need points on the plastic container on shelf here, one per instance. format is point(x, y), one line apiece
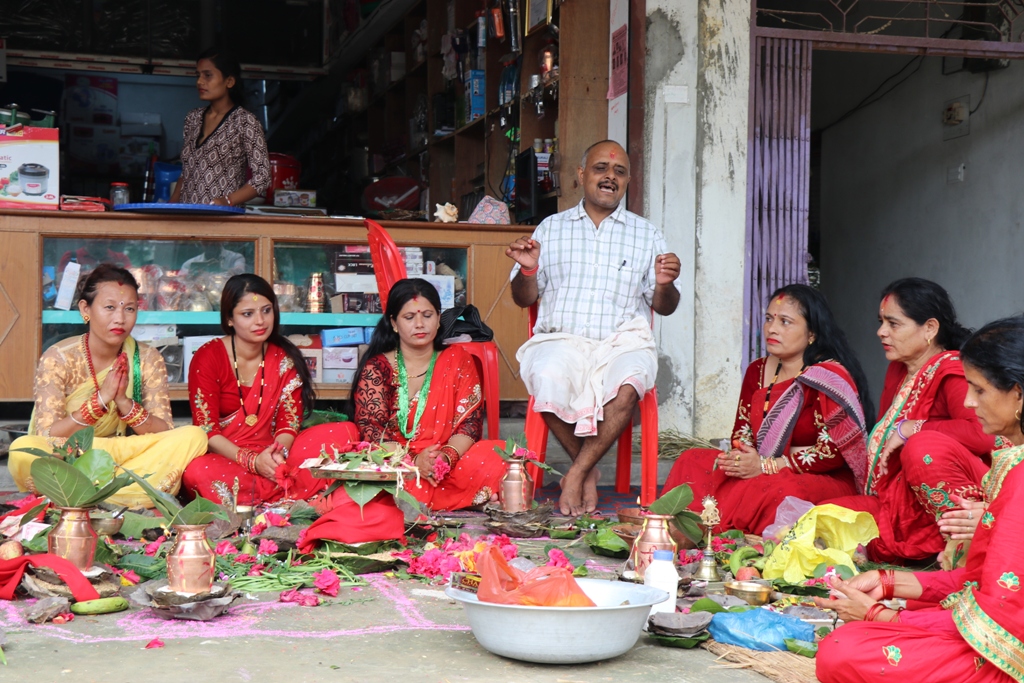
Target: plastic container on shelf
point(165, 176)
point(119, 193)
point(285, 171)
point(661, 574)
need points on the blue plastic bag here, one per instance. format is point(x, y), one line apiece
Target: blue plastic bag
point(758, 629)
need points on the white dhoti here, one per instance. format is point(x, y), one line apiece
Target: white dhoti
point(574, 377)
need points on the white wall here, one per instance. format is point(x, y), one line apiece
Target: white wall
point(695, 132)
point(887, 208)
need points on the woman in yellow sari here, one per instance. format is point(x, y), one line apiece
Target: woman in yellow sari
point(107, 380)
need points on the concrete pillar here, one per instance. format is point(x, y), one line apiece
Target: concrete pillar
point(695, 137)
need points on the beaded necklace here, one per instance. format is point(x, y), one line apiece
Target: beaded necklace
point(768, 396)
point(250, 419)
point(88, 360)
point(403, 395)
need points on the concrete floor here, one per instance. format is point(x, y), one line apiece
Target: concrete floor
point(391, 627)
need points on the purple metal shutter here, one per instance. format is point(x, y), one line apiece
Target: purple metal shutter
point(778, 177)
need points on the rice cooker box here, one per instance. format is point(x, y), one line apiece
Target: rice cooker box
point(30, 168)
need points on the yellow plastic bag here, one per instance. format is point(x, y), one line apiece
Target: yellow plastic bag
point(841, 530)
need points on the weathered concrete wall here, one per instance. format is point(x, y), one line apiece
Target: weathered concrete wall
point(889, 208)
point(695, 142)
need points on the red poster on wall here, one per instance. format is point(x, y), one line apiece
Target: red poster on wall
point(619, 82)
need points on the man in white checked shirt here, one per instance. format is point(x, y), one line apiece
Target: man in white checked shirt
point(597, 270)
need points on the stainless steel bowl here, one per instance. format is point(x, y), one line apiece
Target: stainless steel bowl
point(564, 635)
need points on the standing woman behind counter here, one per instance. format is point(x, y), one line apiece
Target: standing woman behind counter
point(222, 140)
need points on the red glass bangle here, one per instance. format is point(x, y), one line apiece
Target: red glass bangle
point(874, 611)
point(887, 577)
point(529, 272)
point(451, 453)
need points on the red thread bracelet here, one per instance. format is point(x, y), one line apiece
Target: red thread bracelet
point(529, 272)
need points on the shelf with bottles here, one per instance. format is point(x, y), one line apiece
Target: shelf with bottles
point(344, 283)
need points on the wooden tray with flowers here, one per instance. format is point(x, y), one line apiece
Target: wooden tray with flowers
point(365, 462)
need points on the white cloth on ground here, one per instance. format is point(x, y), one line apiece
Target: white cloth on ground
point(573, 377)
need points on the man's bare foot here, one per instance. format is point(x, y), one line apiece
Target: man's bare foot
point(571, 501)
point(590, 491)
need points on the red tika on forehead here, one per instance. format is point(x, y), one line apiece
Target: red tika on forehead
point(612, 154)
point(780, 299)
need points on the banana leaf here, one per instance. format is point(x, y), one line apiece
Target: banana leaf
point(674, 502)
point(97, 465)
point(61, 483)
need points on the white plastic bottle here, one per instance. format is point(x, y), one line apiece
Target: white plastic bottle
point(661, 574)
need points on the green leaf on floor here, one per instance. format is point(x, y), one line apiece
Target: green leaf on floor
point(801, 647)
point(135, 524)
point(685, 643)
point(605, 542)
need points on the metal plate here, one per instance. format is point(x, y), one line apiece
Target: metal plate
point(354, 475)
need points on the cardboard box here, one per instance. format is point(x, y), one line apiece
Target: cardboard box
point(30, 168)
point(341, 358)
point(303, 198)
point(445, 286)
point(369, 335)
point(314, 361)
point(342, 336)
point(353, 264)
point(189, 347)
point(156, 335)
point(354, 283)
point(90, 99)
point(473, 93)
point(94, 148)
point(338, 376)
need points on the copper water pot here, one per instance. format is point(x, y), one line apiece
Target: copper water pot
point(653, 536)
point(73, 538)
point(516, 491)
point(191, 561)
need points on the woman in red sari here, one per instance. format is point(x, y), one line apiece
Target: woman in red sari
point(927, 450)
point(413, 391)
point(964, 625)
point(250, 391)
point(799, 428)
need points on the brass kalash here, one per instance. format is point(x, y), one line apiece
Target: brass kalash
point(709, 516)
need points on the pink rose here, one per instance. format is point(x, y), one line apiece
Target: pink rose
point(257, 570)
point(520, 452)
point(301, 599)
point(267, 547)
point(327, 582)
point(274, 519)
point(154, 547)
point(225, 548)
point(557, 558)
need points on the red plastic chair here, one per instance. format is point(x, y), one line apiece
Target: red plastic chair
point(537, 441)
point(389, 268)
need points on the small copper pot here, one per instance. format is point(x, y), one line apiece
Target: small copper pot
point(73, 538)
point(191, 561)
point(654, 536)
point(516, 491)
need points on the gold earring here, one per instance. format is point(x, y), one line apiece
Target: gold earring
point(86, 318)
point(1017, 415)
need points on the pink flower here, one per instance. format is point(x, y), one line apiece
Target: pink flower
point(129, 578)
point(520, 452)
point(690, 556)
point(257, 529)
point(243, 557)
point(557, 558)
point(327, 582)
point(225, 548)
point(155, 643)
point(274, 519)
point(404, 556)
point(257, 570)
point(441, 469)
point(301, 540)
point(267, 547)
point(154, 547)
point(301, 599)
